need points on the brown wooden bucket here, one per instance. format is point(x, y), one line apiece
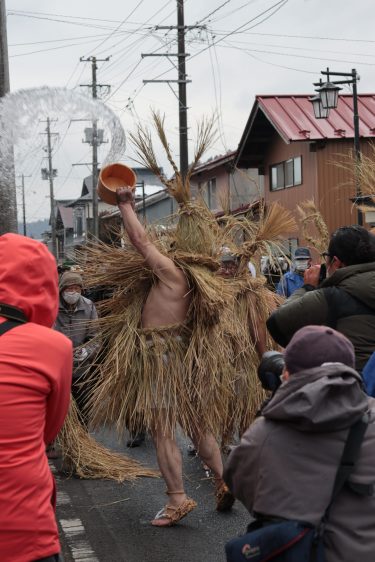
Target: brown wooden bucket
point(113, 176)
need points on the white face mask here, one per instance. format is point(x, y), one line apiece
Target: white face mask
point(71, 297)
point(301, 265)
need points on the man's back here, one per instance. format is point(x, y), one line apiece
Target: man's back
point(34, 393)
point(35, 379)
point(345, 301)
point(286, 463)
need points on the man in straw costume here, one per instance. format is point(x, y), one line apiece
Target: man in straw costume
point(169, 360)
point(167, 305)
point(243, 321)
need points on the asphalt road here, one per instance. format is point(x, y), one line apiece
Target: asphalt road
point(105, 521)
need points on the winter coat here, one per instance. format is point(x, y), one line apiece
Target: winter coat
point(35, 379)
point(76, 325)
point(286, 463)
point(290, 282)
point(345, 301)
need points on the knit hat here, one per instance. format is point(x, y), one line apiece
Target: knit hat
point(312, 346)
point(70, 278)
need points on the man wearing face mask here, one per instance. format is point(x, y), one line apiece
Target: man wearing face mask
point(74, 320)
point(293, 279)
point(345, 300)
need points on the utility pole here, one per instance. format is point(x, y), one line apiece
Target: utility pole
point(50, 173)
point(182, 113)
point(4, 61)
point(95, 141)
point(8, 198)
point(181, 81)
point(22, 176)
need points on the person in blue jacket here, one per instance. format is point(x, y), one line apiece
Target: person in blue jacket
point(293, 279)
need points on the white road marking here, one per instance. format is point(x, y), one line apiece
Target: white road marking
point(80, 548)
point(73, 529)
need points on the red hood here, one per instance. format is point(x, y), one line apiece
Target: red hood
point(28, 278)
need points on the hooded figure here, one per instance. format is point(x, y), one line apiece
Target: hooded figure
point(286, 463)
point(293, 279)
point(35, 379)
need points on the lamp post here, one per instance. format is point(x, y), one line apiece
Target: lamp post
point(327, 99)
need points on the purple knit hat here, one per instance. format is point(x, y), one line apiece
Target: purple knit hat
point(312, 346)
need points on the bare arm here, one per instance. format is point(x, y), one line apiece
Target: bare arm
point(162, 266)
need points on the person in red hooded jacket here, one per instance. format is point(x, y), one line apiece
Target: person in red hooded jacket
point(35, 380)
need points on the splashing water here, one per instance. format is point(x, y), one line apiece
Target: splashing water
point(21, 112)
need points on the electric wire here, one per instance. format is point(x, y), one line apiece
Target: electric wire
point(322, 58)
point(120, 25)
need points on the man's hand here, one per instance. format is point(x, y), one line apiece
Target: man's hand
point(311, 275)
point(125, 195)
point(80, 354)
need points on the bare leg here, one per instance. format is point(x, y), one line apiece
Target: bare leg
point(209, 452)
point(170, 464)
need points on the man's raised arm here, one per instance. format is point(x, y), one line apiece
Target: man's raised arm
point(163, 267)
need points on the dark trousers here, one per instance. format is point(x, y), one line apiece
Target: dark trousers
point(80, 392)
point(54, 558)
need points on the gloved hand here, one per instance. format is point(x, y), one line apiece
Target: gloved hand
point(80, 354)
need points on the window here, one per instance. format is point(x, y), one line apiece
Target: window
point(286, 174)
point(278, 176)
point(211, 193)
point(208, 191)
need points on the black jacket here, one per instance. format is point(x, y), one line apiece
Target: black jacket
point(345, 301)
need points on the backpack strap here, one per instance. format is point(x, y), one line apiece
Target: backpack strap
point(15, 317)
point(349, 458)
point(12, 313)
point(8, 325)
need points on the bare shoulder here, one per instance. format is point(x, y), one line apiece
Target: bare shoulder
point(165, 268)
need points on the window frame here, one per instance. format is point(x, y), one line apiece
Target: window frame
point(283, 164)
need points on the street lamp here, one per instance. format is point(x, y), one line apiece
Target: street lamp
point(320, 112)
point(329, 95)
point(327, 99)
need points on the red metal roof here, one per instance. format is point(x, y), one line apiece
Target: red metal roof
point(293, 117)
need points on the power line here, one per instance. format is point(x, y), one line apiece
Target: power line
point(217, 32)
point(25, 12)
point(214, 11)
point(119, 26)
point(239, 43)
point(247, 51)
point(280, 65)
point(96, 36)
point(128, 47)
point(276, 7)
point(92, 26)
point(51, 49)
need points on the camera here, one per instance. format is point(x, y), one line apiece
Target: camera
point(323, 273)
point(270, 370)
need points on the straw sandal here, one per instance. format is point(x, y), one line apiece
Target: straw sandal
point(224, 497)
point(172, 514)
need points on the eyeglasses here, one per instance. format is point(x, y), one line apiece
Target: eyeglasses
point(325, 255)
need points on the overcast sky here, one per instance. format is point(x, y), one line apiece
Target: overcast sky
point(245, 48)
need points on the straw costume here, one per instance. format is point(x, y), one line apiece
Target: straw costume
point(86, 458)
point(192, 370)
point(174, 368)
point(243, 321)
